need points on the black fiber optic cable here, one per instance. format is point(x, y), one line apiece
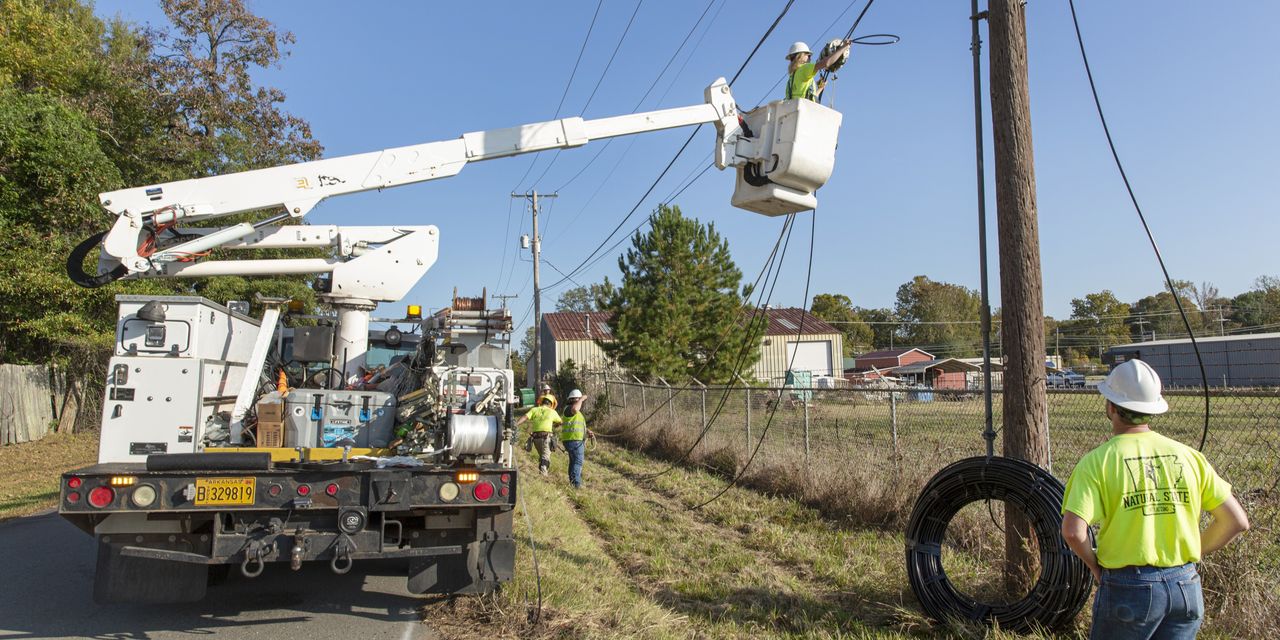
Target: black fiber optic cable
point(1064, 583)
point(1173, 291)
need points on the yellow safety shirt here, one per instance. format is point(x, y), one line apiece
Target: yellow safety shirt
point(800, 84)
point(542, 418)
point(1146, 491)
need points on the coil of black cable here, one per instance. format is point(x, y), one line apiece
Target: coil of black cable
point(1064, 582)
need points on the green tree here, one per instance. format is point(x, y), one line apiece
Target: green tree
point(884, 326)
point(1157, 315)
point(1097, 322)
point(678, 312)
point(86, 107)
point(940, 317)
point(1257, 309)
point(586, 298)
point(838, 310)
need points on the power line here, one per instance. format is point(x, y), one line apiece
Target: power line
point(568, 84)
point(1115, 155)
point(641, 102)
point(654, 185)
point(603, 74)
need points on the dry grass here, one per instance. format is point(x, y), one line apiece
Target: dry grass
point(30, 471)
point(861, 490)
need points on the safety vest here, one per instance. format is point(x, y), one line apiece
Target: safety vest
point(807, 90)
point(574, 428)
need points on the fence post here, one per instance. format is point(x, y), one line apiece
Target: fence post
point(644, 397)
point(747, 394)
point(806, 432)
point(624, 393)
point(671, 410)
point(703, 431)
point(893, 421)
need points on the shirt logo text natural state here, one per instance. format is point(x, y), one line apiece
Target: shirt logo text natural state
point(1156, 485)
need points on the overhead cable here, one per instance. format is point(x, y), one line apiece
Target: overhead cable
point(1195, 346)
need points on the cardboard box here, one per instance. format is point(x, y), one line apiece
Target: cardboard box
point(270, 433)
point(271, 410)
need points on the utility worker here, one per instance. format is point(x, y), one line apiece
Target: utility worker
point(545, 392)
point(543, 418)
point(1146, 493)
point(573, 434)
point(801, 72)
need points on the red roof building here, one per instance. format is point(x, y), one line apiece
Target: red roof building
point(889, 358)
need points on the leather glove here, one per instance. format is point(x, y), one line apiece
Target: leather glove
point(528, 443)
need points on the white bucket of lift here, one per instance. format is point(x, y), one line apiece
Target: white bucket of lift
point(794, 147)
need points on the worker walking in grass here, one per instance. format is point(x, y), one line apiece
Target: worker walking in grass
point(573, 435)
point(1146, 493)
point(801, 72)
point(543, 418)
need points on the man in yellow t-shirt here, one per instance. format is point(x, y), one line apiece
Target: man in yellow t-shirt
point(1145, 492)
point(543, 418)
point(801, 72)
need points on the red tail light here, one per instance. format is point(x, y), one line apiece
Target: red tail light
point(101, 496)
point(304, 490)
point(506, 477)
point(504, 492)
point(73, 483)
point(73, 497)
point(332, 489)
point(483, 491)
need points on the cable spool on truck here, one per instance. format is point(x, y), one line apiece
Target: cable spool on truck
point(204, 463)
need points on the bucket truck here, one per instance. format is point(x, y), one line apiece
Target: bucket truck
point(204, 464)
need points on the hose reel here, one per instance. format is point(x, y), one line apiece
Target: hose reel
point(1064, 583)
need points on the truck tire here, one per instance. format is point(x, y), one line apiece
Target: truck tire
point(120, 578)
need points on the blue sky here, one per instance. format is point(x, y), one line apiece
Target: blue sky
point(1191, 95)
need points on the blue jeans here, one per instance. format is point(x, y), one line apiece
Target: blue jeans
point(575, 449)
point(1148, 602)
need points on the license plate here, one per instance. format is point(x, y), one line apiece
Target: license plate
point(224, 491)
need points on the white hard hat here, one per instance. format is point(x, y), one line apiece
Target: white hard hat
point(798, 47)
point(575, 394)
point(1135, 386)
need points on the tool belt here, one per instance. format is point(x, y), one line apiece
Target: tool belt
point(541, 435)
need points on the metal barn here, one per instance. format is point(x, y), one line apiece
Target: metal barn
point(1250, 360)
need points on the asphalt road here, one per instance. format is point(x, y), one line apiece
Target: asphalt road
point(46, 591)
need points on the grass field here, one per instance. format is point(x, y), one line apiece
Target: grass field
point(29, 472)
point(854, 484)
point(927, 430)
point(787, 554)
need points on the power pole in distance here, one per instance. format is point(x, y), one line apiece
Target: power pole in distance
point(1021, 287)
point(535, 247)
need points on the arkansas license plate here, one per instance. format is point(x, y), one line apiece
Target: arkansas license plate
point(224, 491)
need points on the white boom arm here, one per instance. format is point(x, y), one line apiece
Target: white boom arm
point(784, 153)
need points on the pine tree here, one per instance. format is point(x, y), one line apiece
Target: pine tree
point(678, 313)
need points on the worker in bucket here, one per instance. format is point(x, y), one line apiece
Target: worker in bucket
point(543, 418)
point(573, 435)
point(801, 72)
point(1146, 492)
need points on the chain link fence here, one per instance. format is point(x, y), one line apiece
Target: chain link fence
point(922, 430)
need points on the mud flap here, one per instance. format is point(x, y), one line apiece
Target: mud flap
point(479, 569)
point(142, 580)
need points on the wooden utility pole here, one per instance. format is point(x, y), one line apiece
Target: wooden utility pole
point(536, 249)
point(1021, 289)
